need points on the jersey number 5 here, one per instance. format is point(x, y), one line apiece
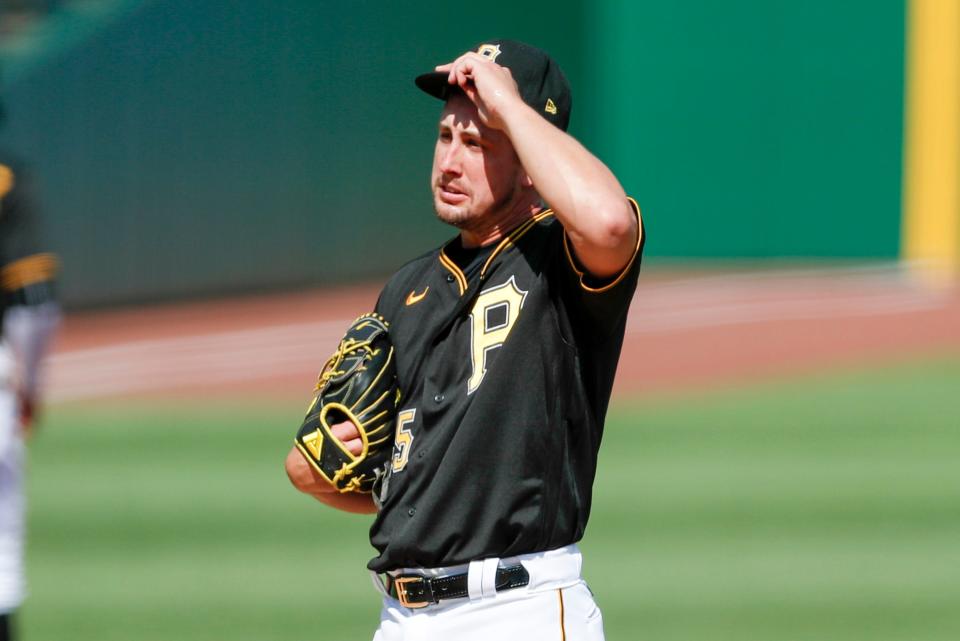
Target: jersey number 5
point(403, 440)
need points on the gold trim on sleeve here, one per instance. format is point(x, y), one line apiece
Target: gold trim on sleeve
point(28, 271)
point(636, 250)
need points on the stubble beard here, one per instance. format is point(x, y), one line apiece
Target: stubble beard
point(450, 214)
point(463, 217)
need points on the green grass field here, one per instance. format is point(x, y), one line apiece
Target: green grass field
point(822, 508)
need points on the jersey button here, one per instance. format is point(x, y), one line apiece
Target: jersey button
point(438, 398)
point(411, 511)
point(450, 278)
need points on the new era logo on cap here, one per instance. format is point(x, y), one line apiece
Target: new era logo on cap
point(541, 83)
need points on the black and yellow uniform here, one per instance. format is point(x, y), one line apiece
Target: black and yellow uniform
point(28, 316)
point(506, 356)
point(26, 273)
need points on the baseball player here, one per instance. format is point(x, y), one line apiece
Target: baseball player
point(30, 315)
point(507, 339)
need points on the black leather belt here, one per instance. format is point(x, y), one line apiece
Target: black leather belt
point(415, 591)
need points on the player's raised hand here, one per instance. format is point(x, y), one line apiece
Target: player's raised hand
point(488, 85)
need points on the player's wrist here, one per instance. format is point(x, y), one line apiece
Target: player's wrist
point(510, 109)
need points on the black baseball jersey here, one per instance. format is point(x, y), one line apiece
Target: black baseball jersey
point(506, 357)
point(26, 273)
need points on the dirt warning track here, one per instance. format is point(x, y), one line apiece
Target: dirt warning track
point(684, 330)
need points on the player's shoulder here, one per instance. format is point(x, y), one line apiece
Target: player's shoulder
point(547, 224)
point(11, 171)
point(413, 268)
point(409, 274)
point(538, 239)
point(544, 226)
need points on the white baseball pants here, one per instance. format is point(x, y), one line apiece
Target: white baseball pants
point(557, 605)
point(11, 491)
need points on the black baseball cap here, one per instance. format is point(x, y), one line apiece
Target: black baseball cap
point(541, 82)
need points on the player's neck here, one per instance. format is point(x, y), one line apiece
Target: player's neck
point(498, 227)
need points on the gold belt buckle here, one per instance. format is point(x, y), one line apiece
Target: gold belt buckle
point(401, 583)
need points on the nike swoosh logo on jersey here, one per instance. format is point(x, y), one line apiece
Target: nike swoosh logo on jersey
point(413, 298)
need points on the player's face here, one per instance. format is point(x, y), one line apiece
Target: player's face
point(476, 174)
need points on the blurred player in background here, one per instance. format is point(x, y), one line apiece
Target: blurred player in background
point(30, 316)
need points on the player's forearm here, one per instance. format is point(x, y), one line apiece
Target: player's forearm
point(29, 330)
point(585, 195)
point(307, 480)
point(347, 502)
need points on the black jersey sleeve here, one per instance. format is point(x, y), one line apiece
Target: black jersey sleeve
point(26, 270)
point(601, 304)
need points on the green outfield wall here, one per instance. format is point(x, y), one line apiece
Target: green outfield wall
point(755, 129)
point(192, 148)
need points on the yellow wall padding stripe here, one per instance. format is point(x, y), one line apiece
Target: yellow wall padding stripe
point(931, 187)
point(27, 271)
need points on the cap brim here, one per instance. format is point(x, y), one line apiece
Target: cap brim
point(434, 83)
